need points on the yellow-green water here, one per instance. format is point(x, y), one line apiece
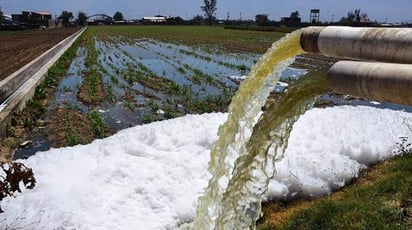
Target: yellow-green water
point(242, 198)
point(241, 158)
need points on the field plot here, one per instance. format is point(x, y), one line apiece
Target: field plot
point(18, 48)
point(116, 77)
point(119, 79)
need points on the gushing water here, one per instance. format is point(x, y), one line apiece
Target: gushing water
point(242, 159)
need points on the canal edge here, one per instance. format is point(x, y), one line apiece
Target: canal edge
point(37, 71)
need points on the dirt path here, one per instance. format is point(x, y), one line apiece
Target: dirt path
point(21, 47)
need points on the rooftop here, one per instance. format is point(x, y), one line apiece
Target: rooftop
point(42, 13)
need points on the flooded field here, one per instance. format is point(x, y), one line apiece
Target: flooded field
point(118, 80)
point(113, 78)
point(146, 80)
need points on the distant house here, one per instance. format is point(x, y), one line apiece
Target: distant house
point(41, 15)
point(157, 19)
point(39, 19)
point(288, 21)
point(7, 18)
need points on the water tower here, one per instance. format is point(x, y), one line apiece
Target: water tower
point(314, 16)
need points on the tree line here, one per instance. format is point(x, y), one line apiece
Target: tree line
point(66, 17)
point(1, 16)
point(209, 8)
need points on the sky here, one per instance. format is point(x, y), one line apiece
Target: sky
point(330, 10)
point(154, 181)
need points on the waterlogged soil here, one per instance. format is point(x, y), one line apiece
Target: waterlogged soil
point(16, 50)
point(137, 81)
point(128, 80)
point(74, 122)
point(140, 80)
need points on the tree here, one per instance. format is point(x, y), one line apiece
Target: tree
point(81, 18)
point(294, 16)
point(118, 16)
point(350, 16)
point(261, 19)
point(354, 16)
point(1, 15)
point(209, 8)
point(198, 19)
point(65, 17)
point(175, 21)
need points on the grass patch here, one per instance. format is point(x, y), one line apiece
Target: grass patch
point(92, 89)
point(97, 124)
point(229, 39)
point(71, 138)
point(6, 33)
point(381, 198)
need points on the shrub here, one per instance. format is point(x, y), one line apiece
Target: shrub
point(13, 175)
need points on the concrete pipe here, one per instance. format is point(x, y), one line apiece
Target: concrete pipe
point(379, 44)
point(376, 81)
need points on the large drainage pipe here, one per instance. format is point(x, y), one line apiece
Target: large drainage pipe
point(390, 82)
point(377, 81)
point(377, 44)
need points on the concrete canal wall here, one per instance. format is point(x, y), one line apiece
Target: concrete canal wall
point(20, 86)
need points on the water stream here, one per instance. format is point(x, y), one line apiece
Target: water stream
point(242, 159)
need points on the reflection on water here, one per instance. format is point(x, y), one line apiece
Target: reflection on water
point(198, 73)
point(69, 86)
point(38, 143)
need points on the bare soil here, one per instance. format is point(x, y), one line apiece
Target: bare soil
point(66, 125)
point(21, 47)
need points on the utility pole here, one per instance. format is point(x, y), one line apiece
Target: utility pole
point(240, 16)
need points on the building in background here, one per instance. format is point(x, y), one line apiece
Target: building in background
point(39, 19)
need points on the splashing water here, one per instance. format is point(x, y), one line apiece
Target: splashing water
point(242, 159)
point(241, 202)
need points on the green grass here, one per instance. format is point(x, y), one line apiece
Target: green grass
point(71, 138)
point(380, 199)
point(5, 33)
point(98, 125)
point(212, 39)
point(92, 83)
point(233, 40)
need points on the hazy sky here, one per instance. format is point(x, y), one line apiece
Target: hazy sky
point(379, 10)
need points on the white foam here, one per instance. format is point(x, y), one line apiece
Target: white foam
point(150, 176)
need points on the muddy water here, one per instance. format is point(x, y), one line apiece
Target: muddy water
point(199, 74)
point(69, 86)
point(204, 73)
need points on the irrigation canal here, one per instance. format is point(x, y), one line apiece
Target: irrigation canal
point(19, 87)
